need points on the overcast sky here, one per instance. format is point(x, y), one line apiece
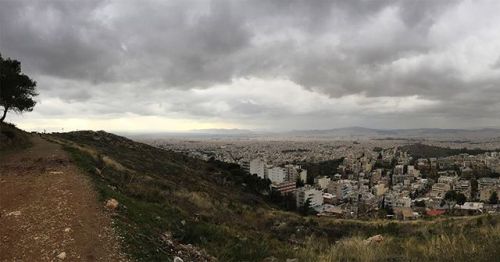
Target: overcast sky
point(176, 65)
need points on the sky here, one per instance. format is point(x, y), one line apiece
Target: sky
point(152, 66)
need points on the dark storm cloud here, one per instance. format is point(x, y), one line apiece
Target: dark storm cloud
point(444, 52)
point(187, 43)
point(57, 38)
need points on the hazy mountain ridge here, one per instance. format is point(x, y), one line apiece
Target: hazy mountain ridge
point(406, 133)
point(339, 133)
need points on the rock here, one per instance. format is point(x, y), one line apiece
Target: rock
point(374, 239)
point(178, 259)
point(14, 213)
point(183, 222)
point(67, 229)
point(112, 204)
point(167, 235)
point(292, 260)
point(62, 255)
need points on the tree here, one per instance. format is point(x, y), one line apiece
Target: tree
point(306, 209)
point(451, 198)
point(420, 203)
point(16, 89)
point(299, 182)
point(494, 198)
point(290, 203)
point(474, 188)
point(461, 198)
point(310, 179)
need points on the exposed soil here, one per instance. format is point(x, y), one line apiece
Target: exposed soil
point(48, 206)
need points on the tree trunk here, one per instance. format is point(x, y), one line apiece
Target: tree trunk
point(5, 109)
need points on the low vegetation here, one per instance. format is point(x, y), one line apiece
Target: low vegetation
point(12, 138)
point(216, 207)
point(323, 168)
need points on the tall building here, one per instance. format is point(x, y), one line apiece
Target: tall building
point(314, 195)
point(291, 172)
point(258, 167)
point(277, 175)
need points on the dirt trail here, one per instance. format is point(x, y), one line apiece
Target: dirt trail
point(48, 206)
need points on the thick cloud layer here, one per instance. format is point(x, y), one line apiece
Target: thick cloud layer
point(260, 64)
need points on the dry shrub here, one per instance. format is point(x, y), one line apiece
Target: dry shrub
point(199, 199)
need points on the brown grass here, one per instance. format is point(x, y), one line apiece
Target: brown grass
point(466, 244)
point(92, 152)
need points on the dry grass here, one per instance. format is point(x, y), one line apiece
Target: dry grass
point(199, 199)
point(108, 161)
point(465, 243)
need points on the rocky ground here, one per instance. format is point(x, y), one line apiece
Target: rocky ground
point(49, 210)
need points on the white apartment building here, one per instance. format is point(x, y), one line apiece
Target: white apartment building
point(402, 202)
point(341, 189)
point(314, 195)
point(291, 172)
point(277, 175)
point(258, 167)
point(450, 180)
point(322, 182)
point(439, 190)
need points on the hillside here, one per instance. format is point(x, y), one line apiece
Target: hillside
point(173, 205)
point(12, 138)
point(169, 196)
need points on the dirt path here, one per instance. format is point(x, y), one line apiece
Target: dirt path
point(48, 206)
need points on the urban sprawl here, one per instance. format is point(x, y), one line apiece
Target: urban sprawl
point(373, 178)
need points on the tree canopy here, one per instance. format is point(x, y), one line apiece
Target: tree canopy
point(493, 198)
point(451, 198)
point(17, 90)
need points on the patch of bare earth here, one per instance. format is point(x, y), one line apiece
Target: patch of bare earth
point(49, 210)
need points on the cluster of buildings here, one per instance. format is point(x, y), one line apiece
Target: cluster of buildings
point(283, 179)
point(457, 173)
point(387, 182)
point(376, 177)
point(242, 150)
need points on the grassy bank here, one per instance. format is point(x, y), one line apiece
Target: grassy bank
point(12, 139)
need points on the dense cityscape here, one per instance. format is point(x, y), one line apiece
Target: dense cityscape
point(370, 178)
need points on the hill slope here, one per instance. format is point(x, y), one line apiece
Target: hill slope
point(12, 138)
point(173, 205)
point(169, 195)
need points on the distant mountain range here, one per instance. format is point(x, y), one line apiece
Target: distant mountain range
point(436, 133)
point(341, 133)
